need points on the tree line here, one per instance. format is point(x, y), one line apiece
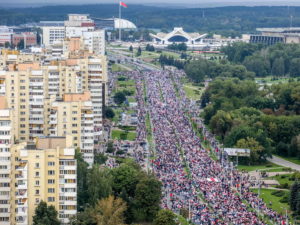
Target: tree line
point(229, 21)
point(165, 60)
point(243, 115)
point(277, 60)
point(198, 70)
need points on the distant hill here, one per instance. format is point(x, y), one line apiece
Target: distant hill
point(231, 19)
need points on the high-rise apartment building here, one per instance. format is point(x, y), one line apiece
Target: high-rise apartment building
point(77, 26)
point(74, 115)
point(51, 103)
point(6, 141)
point(43, 171)
point(32, 84)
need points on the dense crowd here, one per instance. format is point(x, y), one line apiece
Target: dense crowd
point(213, 192)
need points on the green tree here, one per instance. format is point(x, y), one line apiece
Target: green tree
point(119, 98)
point(21, 44)
point(86, 217)
point(295, 68)
point(147, 198)
point(221, 123)
point(278, 67)
point(139, 52)
point(125, 177)
point(100, 158)
point(293, 195)
point(109, 113)
point(257, 64)
point(131, 48)
point(110, 147)
point(165, 217)
point(45, 215)
point(196, 70)
point(82, 171)
point(298, 203)
point(7, 45)
point(295, 146)
point(255, 148)
point(110, 211)
point(99, 184)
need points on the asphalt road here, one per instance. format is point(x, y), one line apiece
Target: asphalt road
point(282, 162)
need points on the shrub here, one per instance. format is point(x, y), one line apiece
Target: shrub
point(278, 193)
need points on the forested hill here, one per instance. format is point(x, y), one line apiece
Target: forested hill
point(239, 19)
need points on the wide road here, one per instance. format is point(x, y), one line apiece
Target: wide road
point(283, 162)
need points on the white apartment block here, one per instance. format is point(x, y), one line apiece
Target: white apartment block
point(52, 34)
point(95, 41)
point(6, 140)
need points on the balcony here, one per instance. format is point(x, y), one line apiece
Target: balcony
point(22, 194)
point(22, 186)
point(36, 121)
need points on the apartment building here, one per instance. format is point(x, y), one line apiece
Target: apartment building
point(29, 38)
point(6, 140)
point(52, 31)
point(5, 35)
point(32, 84)
point(77, 26)
point(34, 171)
point(44, 171)
point(74, 116)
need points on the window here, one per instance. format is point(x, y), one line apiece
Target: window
point(51, 172)
point(51, 181)
point(51, 199)
point(51, 163)
point(37, 192)
point(51, 190)
point(37, 183)
point(37, 165)
point(37, 200)
point(37, 174)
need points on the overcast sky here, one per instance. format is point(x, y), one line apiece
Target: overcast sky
point(185, 3)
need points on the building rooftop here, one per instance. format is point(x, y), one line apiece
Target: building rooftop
point(51, 142)
point(3, 102)
point(279, 29)
point(77, 97)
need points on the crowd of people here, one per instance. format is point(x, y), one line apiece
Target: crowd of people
point(212, 191)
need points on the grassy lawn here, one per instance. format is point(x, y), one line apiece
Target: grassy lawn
point(117, 68)
point(283, 179)
point(131, 99)
point(117, 112)
point(270, 167)
point(126, 83)
point(117, 134)
point(267, 197)
point(192, 91)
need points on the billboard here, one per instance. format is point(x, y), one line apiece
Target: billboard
point(237, 152)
